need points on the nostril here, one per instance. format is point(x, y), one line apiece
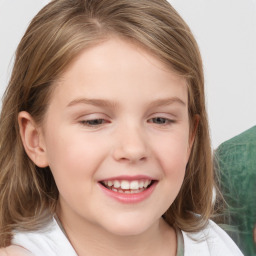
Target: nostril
point(131, 145)
point(129, 154)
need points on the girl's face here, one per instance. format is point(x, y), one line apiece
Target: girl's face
point(116, 137)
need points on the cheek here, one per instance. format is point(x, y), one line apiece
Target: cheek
point(171, 156)
point(173, 152)
point(72, 165)
point(73, 156)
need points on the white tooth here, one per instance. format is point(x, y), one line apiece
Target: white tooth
point(105, 183)
point(110, 183)
point(141, 184)
point(127, 192)
point(115, 190)
point(116, 184)
point(134, 184)
point(120, 191)
point(125, 184)
point(146, 183)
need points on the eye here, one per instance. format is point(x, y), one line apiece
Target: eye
point(161, 120)
point(93, 122)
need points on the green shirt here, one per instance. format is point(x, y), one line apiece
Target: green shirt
point(236, 165)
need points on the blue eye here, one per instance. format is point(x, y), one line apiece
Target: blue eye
point(93, 122)
point(161, 120)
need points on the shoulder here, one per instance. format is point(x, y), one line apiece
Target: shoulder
point(246, 137)
point(238, 146)
point(49, 241)
point(14, 250)
point(212, 240)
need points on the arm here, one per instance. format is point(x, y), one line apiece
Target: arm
point(14, 250)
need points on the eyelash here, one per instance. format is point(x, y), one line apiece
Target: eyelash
point(161, 119)
point(93, 122)
point(100, 121)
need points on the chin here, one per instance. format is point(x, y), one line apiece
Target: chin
point(127, 231)
point(129, 227)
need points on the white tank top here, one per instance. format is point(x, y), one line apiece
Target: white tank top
point(52, 241)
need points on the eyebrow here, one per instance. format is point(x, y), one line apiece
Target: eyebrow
point(94, 102)
point(167, 101)
point(114, 104)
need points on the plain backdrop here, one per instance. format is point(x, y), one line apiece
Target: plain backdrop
point(226, 33)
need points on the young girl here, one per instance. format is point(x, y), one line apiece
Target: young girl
point(104, 137)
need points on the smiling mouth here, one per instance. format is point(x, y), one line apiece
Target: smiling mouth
point(128, 187)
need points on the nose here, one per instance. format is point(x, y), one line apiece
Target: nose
point(131, 145)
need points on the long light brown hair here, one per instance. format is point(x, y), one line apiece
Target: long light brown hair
point(57, 34)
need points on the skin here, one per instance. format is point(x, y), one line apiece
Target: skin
point(14, 250)
point(140, 127)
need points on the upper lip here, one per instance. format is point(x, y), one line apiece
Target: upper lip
point(128, 178)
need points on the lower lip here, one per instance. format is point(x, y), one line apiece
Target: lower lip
point(129, 198)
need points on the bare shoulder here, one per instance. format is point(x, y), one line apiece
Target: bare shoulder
point(14, 250)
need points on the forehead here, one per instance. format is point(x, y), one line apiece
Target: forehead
point(116, 66)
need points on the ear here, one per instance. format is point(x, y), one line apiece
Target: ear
point(192, 134)
point(32, 139)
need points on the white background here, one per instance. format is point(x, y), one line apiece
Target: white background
point(226, 34)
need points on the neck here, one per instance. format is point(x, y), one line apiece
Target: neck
point(90, 239)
